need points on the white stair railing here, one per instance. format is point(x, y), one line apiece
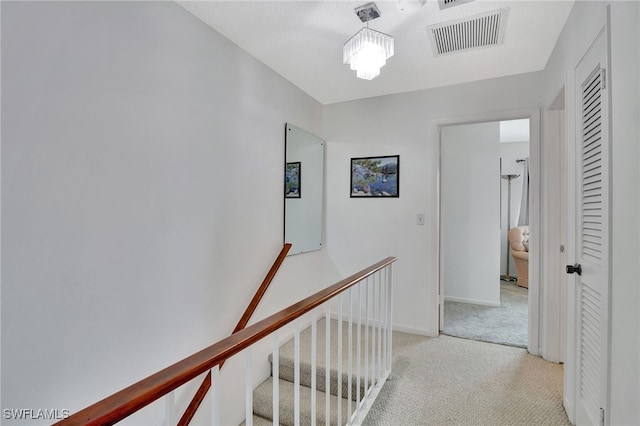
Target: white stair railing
point(365, 299)
point(368, 351)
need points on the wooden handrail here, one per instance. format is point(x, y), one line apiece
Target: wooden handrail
point(131, 399)
point(206, 383)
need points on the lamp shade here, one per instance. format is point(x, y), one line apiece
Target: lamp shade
point(367, 51)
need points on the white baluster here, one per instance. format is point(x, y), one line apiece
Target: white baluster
point(170, 408)
point(358, 343)
point(296, 374)
point(380, 324)
point(390, 315)
point(366, 340)
point(275, 375)
point(384, 320)
point(215, 395)
point(374, 336)
point(327, 381)
point(339, 382)
point(248, 388)
point(350, 357)
point(374, 349)
point(374, 329)
point(314, 370)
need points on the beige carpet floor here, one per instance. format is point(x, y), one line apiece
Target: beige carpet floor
point(453, 381)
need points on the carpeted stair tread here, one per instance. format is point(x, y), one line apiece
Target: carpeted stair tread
point(259, 421)
point(263, 405)
point(287, 360)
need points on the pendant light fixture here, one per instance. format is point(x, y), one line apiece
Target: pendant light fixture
point(368, 50)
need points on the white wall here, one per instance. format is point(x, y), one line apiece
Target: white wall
point(142, 159)
point(584, 23)
point(510, 152)
point(362, 231)
point(470, 213)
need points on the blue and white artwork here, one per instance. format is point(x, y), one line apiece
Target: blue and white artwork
point(292, 180)
point(375, 176)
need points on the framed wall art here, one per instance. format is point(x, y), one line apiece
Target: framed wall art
point(375, 176)
point(292, 180)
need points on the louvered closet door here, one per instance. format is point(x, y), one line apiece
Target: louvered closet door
point(592, 223)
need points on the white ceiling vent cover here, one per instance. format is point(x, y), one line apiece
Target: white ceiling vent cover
point(486, 29)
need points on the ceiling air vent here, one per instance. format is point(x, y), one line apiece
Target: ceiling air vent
point(486, 29)
point(450, 3)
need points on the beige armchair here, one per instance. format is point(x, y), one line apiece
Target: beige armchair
point(519, 242)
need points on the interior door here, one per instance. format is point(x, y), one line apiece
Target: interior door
point(592, 235)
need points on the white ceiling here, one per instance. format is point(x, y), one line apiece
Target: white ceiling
point(302, 41)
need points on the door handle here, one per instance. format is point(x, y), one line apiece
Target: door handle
point(574, 269)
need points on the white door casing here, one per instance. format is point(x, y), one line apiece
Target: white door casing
point(592, 224)
point(554, 213)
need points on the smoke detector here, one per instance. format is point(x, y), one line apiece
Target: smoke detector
point(444, 4)
point(408, 6)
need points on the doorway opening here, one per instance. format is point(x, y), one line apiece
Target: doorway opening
point(484, 231)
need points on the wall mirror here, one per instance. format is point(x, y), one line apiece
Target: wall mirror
point(303, 190)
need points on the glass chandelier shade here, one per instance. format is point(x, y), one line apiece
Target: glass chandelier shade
point(367, 52)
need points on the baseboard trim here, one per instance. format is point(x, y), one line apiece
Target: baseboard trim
point(472, 301)
point(568, 408)
point(413, 330)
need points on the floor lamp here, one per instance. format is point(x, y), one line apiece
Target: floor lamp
point(509, 178)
